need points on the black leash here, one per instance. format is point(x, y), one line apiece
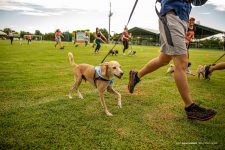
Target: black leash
point(219, 58)
point(119, 38)
point(166, 28)
point(132, 12)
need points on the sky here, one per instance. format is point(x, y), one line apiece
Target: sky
point(70, 15)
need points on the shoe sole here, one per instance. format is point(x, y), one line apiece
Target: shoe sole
point(201, 119)
point(130, 81)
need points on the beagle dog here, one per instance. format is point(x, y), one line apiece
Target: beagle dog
point(172, 68)
point(200, 71)
point(101, 77)
point(113, 52)
point(131, 52)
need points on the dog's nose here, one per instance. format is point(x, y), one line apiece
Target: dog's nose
point(121, 74)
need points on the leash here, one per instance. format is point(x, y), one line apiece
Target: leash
point(119, 38)
point(166, 28)
point(219, 58)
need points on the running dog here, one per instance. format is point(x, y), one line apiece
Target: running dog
point(171, 69)
point(101, 77)
point(131, 52)
point(113, 52)
point(200, 71)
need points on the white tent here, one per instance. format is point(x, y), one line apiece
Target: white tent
point(220, 36)
point(2, 33)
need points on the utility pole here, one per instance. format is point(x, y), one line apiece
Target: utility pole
point(110, 15)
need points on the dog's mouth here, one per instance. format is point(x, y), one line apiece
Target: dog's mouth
point(119, 76)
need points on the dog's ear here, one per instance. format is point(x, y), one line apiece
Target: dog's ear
point(104, 68)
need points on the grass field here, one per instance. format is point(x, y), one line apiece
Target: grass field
point(36, 113)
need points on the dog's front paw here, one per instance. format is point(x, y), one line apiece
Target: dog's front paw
point(70, 97)
point(81, 97)
point(108, 113)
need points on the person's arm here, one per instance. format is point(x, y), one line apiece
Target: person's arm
point(62, 35)
point(103, 37)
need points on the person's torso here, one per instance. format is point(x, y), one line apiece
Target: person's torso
point(182, 8)
point(190, 34)
point(125, 34)
point(98, 34)
point(57, 33)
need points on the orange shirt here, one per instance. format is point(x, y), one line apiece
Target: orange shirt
point(57, 33)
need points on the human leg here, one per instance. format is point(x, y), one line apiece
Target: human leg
point(97, 45)
point(151, 66)
point(180, 62)
point(154, 64)
point(11, 39)
point(125, 46)
point(193, 111)
point(56, 43)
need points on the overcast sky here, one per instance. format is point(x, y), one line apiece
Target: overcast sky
point(70, 15)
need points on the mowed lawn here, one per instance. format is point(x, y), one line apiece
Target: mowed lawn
point(36, 113)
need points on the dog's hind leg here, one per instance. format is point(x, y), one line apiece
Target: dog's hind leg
point(75, 87)
point(112, 91)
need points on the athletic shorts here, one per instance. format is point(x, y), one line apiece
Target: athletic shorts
point(58, 38)
point(178, 29)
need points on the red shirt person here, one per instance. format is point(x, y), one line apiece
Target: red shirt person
point(125, 39)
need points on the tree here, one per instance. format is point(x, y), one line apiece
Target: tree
point(22, 33)
point(7, 30)
point(37, 32)
point(49, 36)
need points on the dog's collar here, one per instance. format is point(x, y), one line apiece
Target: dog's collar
point(99, 76)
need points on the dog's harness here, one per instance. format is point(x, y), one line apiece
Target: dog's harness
point(98, 76)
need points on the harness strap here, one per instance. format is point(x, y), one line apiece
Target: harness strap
point(166, 28)
point(97, 77)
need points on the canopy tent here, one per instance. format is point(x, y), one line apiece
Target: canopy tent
point(144, 36)
point(204, 31)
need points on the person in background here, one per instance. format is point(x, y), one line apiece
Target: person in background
point(125, 39)
point(224, 41)
point(20, 39)
point(86, 39)
point(58, 36)
point(99, 37)
point(11, 37)
point(173, 23)
point(190, 34)
point(29, 38)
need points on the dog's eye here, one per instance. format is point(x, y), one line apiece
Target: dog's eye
point(114, 67)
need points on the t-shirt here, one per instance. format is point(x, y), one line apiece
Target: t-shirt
point(125, 34)
point(189, 35)
point(57, 33)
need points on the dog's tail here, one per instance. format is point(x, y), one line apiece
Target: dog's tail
point(71, 59)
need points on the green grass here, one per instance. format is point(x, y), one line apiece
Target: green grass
point(35, 112)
